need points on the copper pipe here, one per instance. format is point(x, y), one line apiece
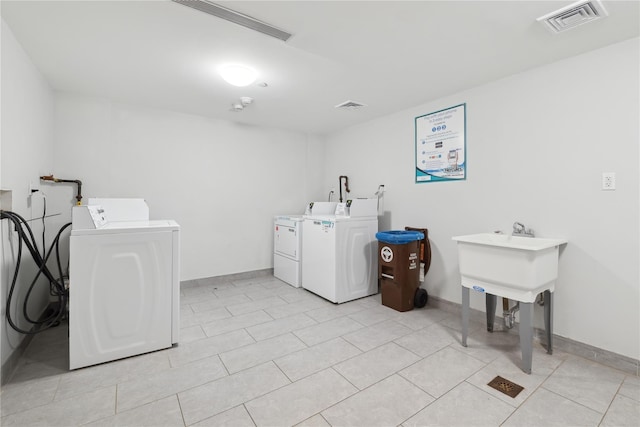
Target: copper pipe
point(505, 304)
point(74, 181)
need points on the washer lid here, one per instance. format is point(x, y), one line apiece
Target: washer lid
point(295, 218)
point(320, 218)
point(130, 227)
point(338, 218)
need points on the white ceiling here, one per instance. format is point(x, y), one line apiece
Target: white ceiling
point(389, 55)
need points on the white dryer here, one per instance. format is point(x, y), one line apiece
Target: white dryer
point(287, 243)
point(340, 261)
point(287, 249)
point(124, 287)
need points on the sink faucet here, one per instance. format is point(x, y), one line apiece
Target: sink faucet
point(520, 230)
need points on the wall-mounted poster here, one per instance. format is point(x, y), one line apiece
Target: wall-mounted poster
point(441, 140)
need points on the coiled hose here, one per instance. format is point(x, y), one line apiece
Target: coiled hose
point(56, 285)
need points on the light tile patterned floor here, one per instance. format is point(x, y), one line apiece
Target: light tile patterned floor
point(259, 352)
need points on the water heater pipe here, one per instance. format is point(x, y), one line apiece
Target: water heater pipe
point(74, 181)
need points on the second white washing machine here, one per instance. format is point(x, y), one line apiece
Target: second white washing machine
point(340, 260)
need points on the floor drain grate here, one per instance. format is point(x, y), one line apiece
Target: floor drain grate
point(505, 386)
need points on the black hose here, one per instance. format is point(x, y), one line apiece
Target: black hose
point(31, 244)
point(44, 225)
point(56, 285)
point(15, 278)
point(59, 284)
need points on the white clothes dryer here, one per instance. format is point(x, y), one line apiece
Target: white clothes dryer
point(287, 249)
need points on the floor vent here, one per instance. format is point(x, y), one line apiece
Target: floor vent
point(350, 105)
point(505, 386)
point(571, 16)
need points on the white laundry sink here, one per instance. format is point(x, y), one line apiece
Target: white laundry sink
point(514, 267)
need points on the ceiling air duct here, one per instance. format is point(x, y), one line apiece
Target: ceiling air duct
point(235, 17)
point(350, 105)
point(573, 15)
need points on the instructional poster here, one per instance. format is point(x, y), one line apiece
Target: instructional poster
point(441, 144)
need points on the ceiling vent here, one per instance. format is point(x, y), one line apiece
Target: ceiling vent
point(350, 105)
point(571, 16)
point(235, 17)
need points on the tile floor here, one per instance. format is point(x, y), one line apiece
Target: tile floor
point(259, 352)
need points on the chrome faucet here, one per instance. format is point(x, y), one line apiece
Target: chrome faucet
point(520, 230)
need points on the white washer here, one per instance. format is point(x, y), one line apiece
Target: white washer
point(122, 209)
point(340, 259)
point(124, 287)
point(287, 249)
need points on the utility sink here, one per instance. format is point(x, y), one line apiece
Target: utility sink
point(514, 267)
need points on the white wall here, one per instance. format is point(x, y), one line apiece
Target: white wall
point(27, 153)
point(222, 182)
point(537, 143)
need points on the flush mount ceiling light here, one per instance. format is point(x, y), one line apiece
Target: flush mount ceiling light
point(238, 75)
point(573, 15)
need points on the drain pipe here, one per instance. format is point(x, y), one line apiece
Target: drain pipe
point(346, 185)
point(509, 314)
point(505, 309)
point(74, 181)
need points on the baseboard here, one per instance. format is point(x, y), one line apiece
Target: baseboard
point(599, 355)
point(605, 357)
point(227, 278)
point(9, 366)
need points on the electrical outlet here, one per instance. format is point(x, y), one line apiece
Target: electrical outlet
point(608, 180)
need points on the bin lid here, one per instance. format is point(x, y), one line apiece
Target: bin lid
point(395, 237)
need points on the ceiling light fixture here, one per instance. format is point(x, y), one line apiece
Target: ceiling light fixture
point(238, 75)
